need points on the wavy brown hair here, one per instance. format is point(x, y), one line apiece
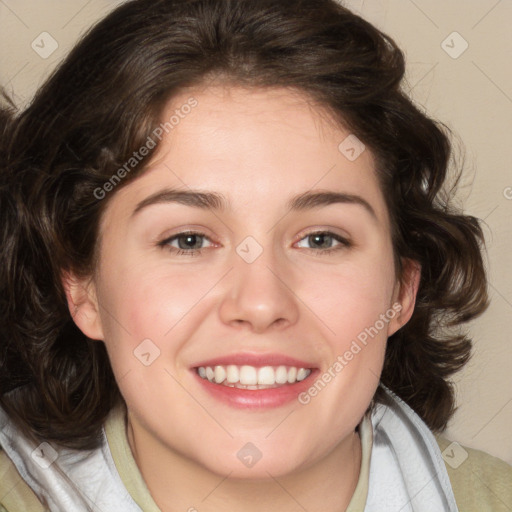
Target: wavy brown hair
point(100, 106)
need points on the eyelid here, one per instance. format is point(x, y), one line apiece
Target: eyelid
point(184, 230)
point(322, 230)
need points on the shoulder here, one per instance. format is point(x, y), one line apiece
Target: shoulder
point(479, 480)
point(15, 494)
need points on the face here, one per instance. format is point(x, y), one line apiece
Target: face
point(246, 285)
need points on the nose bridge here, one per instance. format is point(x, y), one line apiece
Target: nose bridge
point(257, 293)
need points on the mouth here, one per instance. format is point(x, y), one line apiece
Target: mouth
point(254, 381)
point(252, 377)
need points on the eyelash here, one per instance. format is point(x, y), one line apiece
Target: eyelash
point(164, 244)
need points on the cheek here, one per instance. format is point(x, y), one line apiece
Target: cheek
point(355, 306)
point(152, 309)
point(146, 318)
point(351, 297)
point(149, 300)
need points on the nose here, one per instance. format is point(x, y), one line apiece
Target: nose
point(259, 295)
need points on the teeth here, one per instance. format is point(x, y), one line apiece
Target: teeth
point(302, 374)
point(266, 375)
point(219, 374)
point(248, 376)
point(251, 377)
point(281, 375)
point(233, 375)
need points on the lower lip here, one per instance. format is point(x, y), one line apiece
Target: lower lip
point(256, 398)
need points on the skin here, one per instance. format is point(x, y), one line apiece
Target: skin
point(257, 148)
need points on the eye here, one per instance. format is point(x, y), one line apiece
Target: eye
point(325, 242)
point(187, 243)
point(190, 243)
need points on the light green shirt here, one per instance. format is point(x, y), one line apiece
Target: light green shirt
point(481, 483)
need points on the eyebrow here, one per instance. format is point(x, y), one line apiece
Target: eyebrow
point(214, 201)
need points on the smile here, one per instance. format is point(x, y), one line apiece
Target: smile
point(252, 377)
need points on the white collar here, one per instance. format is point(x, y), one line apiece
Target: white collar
point(407, 471)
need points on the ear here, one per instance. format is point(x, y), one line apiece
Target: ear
point(83, 305)
point(405, 294)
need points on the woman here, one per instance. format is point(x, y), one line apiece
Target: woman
point(298, 360)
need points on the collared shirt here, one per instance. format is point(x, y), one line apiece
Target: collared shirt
point(482, 483)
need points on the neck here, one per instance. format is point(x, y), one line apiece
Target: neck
point(177, 483)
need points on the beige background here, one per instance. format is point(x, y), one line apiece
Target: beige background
point(471, 93)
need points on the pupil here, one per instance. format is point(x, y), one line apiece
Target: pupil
point(189, 241)
point(321, 240)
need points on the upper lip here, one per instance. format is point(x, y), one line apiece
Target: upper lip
point(257, 360)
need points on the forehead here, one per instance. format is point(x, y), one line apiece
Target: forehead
point(257, 145)
point(249, 116)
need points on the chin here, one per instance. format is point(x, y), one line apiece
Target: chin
point(247, 462)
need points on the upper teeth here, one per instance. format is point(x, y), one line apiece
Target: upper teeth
point(252, 376)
